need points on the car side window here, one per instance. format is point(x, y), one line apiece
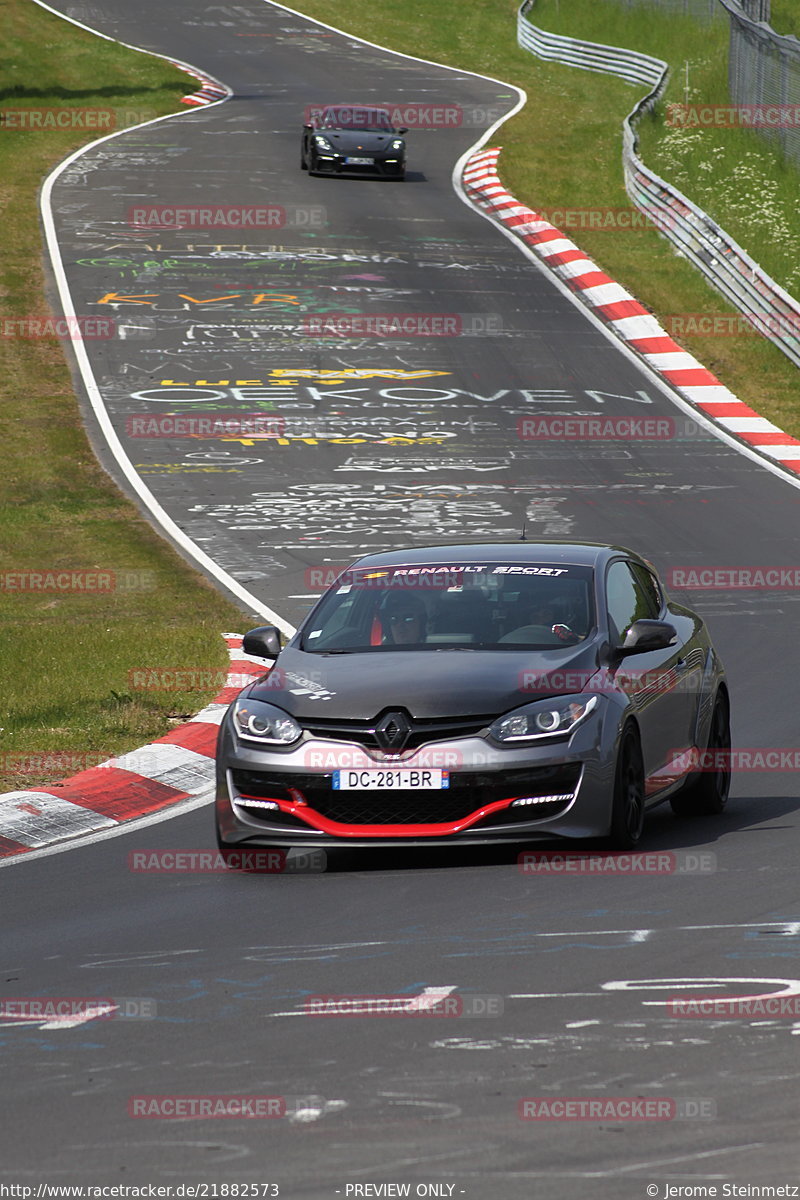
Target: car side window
point(626, 599)
point(650, 587)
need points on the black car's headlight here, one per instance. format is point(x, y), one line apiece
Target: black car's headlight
point(322, 142)
point(398, 145)
point(557, 716)
point(264, 724)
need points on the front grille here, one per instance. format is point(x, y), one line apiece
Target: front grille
point(468, 791)
point(395, 808)
point(440, 729)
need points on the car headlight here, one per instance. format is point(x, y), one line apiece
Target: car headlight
point(558, 716)
point(322, 142)
point(255, 721)
point(398, 145)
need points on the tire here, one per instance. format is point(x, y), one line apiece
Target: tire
point(627, 807)
point(303, 163)
point(707, 792)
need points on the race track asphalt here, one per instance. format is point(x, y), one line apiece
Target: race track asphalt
point(222, 964)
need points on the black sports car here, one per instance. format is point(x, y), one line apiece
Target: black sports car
point(463, 694)
point(353, 140)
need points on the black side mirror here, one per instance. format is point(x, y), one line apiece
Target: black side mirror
point(648, 635)
point(308, 125)
point(403, 130)
point(264, 642)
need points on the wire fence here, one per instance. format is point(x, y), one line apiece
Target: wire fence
point(764, 77)
point(701, 10)
point(763, 66)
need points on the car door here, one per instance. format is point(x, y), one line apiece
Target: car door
point(650, 680)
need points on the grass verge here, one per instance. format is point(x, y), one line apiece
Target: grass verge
point(563, 152)
point(69, 696)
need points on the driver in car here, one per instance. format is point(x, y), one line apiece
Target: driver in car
point(543, 618)
point(404, 619)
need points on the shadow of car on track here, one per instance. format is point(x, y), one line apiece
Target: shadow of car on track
point(410, 177)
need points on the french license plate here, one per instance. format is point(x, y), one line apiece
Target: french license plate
point(361, 162)
point(404, 778)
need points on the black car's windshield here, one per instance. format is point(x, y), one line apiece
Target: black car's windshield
point(495, 606)
point(359, 120)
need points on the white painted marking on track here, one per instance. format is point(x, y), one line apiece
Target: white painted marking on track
point(90, 1013)
point(791, 987)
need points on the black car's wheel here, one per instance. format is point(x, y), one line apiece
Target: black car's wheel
point(707, 792)
point(627, 809)
point(303, 160)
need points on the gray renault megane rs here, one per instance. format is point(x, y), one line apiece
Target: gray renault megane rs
point(477, 693)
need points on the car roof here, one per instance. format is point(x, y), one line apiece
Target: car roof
point(589, 554)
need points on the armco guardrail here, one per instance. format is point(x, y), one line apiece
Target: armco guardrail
point(772, 311)
point(591, 56)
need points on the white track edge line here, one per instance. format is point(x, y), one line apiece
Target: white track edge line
point(159, 515)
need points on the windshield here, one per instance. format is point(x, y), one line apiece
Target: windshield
point(359, 120)
point(495, 606)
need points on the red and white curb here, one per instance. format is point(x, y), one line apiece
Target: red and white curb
point(175, 767)
point(625, 315)
point(210, 91)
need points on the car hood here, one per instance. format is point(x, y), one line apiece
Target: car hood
point(426, 683)
point(350, 142)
